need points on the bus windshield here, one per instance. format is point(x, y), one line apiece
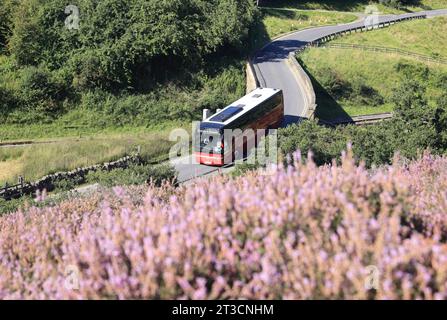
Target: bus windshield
point(210, 141)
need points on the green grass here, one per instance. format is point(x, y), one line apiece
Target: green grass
point(180, 99)
point(341, 76)
point(355, 5)
point(12, 133)
point(368, 68)
point(279, 21)
point(428, 37)
point(276, 22)
point(37, 160)
point(331, 5)
point(102, 126)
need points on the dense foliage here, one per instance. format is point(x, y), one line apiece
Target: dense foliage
point(400, 3)
point(416, 126)
point(142, 174)
point(301, 232)
point(119, 47)
point(134, 175)
point(340, 4)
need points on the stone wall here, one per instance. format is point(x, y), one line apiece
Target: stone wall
point(48, 182)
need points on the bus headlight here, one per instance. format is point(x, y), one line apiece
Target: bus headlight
point(219, 149)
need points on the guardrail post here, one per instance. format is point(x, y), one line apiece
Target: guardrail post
point(21, 181)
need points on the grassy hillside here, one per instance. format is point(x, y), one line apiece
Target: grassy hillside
point(353, 6)
point(279, 21)
point(179, 99)
point(119, 86)
point(352, 81)
point(428, 37)
point(97, 111)
point(163, 66)
point(37, 160)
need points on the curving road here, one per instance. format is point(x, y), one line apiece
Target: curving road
point(272, 70)
point(271, 66)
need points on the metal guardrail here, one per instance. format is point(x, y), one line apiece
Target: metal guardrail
point(385, 49)
point(323, 40)
point(319, 41)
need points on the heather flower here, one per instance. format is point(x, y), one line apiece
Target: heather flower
point(301, 232)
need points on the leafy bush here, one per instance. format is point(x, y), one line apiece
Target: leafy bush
point(416, 126)
point(41, 88)
point(67, 184)
point(400, 4)
point(126, 51)
point(37, 95)
point(8, 102)
point(8, 206)
point(243, 168)
point(5, 23)
point(412, 71)
point(325, 143)
point(364, 94)
point(133, 175)
point(335, 84)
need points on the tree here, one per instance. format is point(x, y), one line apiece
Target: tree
point(411, 104)
point(6, 9)
point(400, 3)
point(440, 122)
point(123, 37)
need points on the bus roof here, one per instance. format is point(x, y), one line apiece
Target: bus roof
point(241, 106)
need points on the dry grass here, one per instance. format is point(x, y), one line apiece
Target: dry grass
point(10, 169)
point(35, 161)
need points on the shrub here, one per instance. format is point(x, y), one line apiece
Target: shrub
point(6, 7)
point(41, 91)
point(8, 206)
point(335, 84)
point(8, 102)
point(67, 184)
point(243, 168)
point(133, 175)
point(325, 143)
point(415, 72)
point(364, 94)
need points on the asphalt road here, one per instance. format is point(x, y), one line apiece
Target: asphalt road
point(272, 71)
